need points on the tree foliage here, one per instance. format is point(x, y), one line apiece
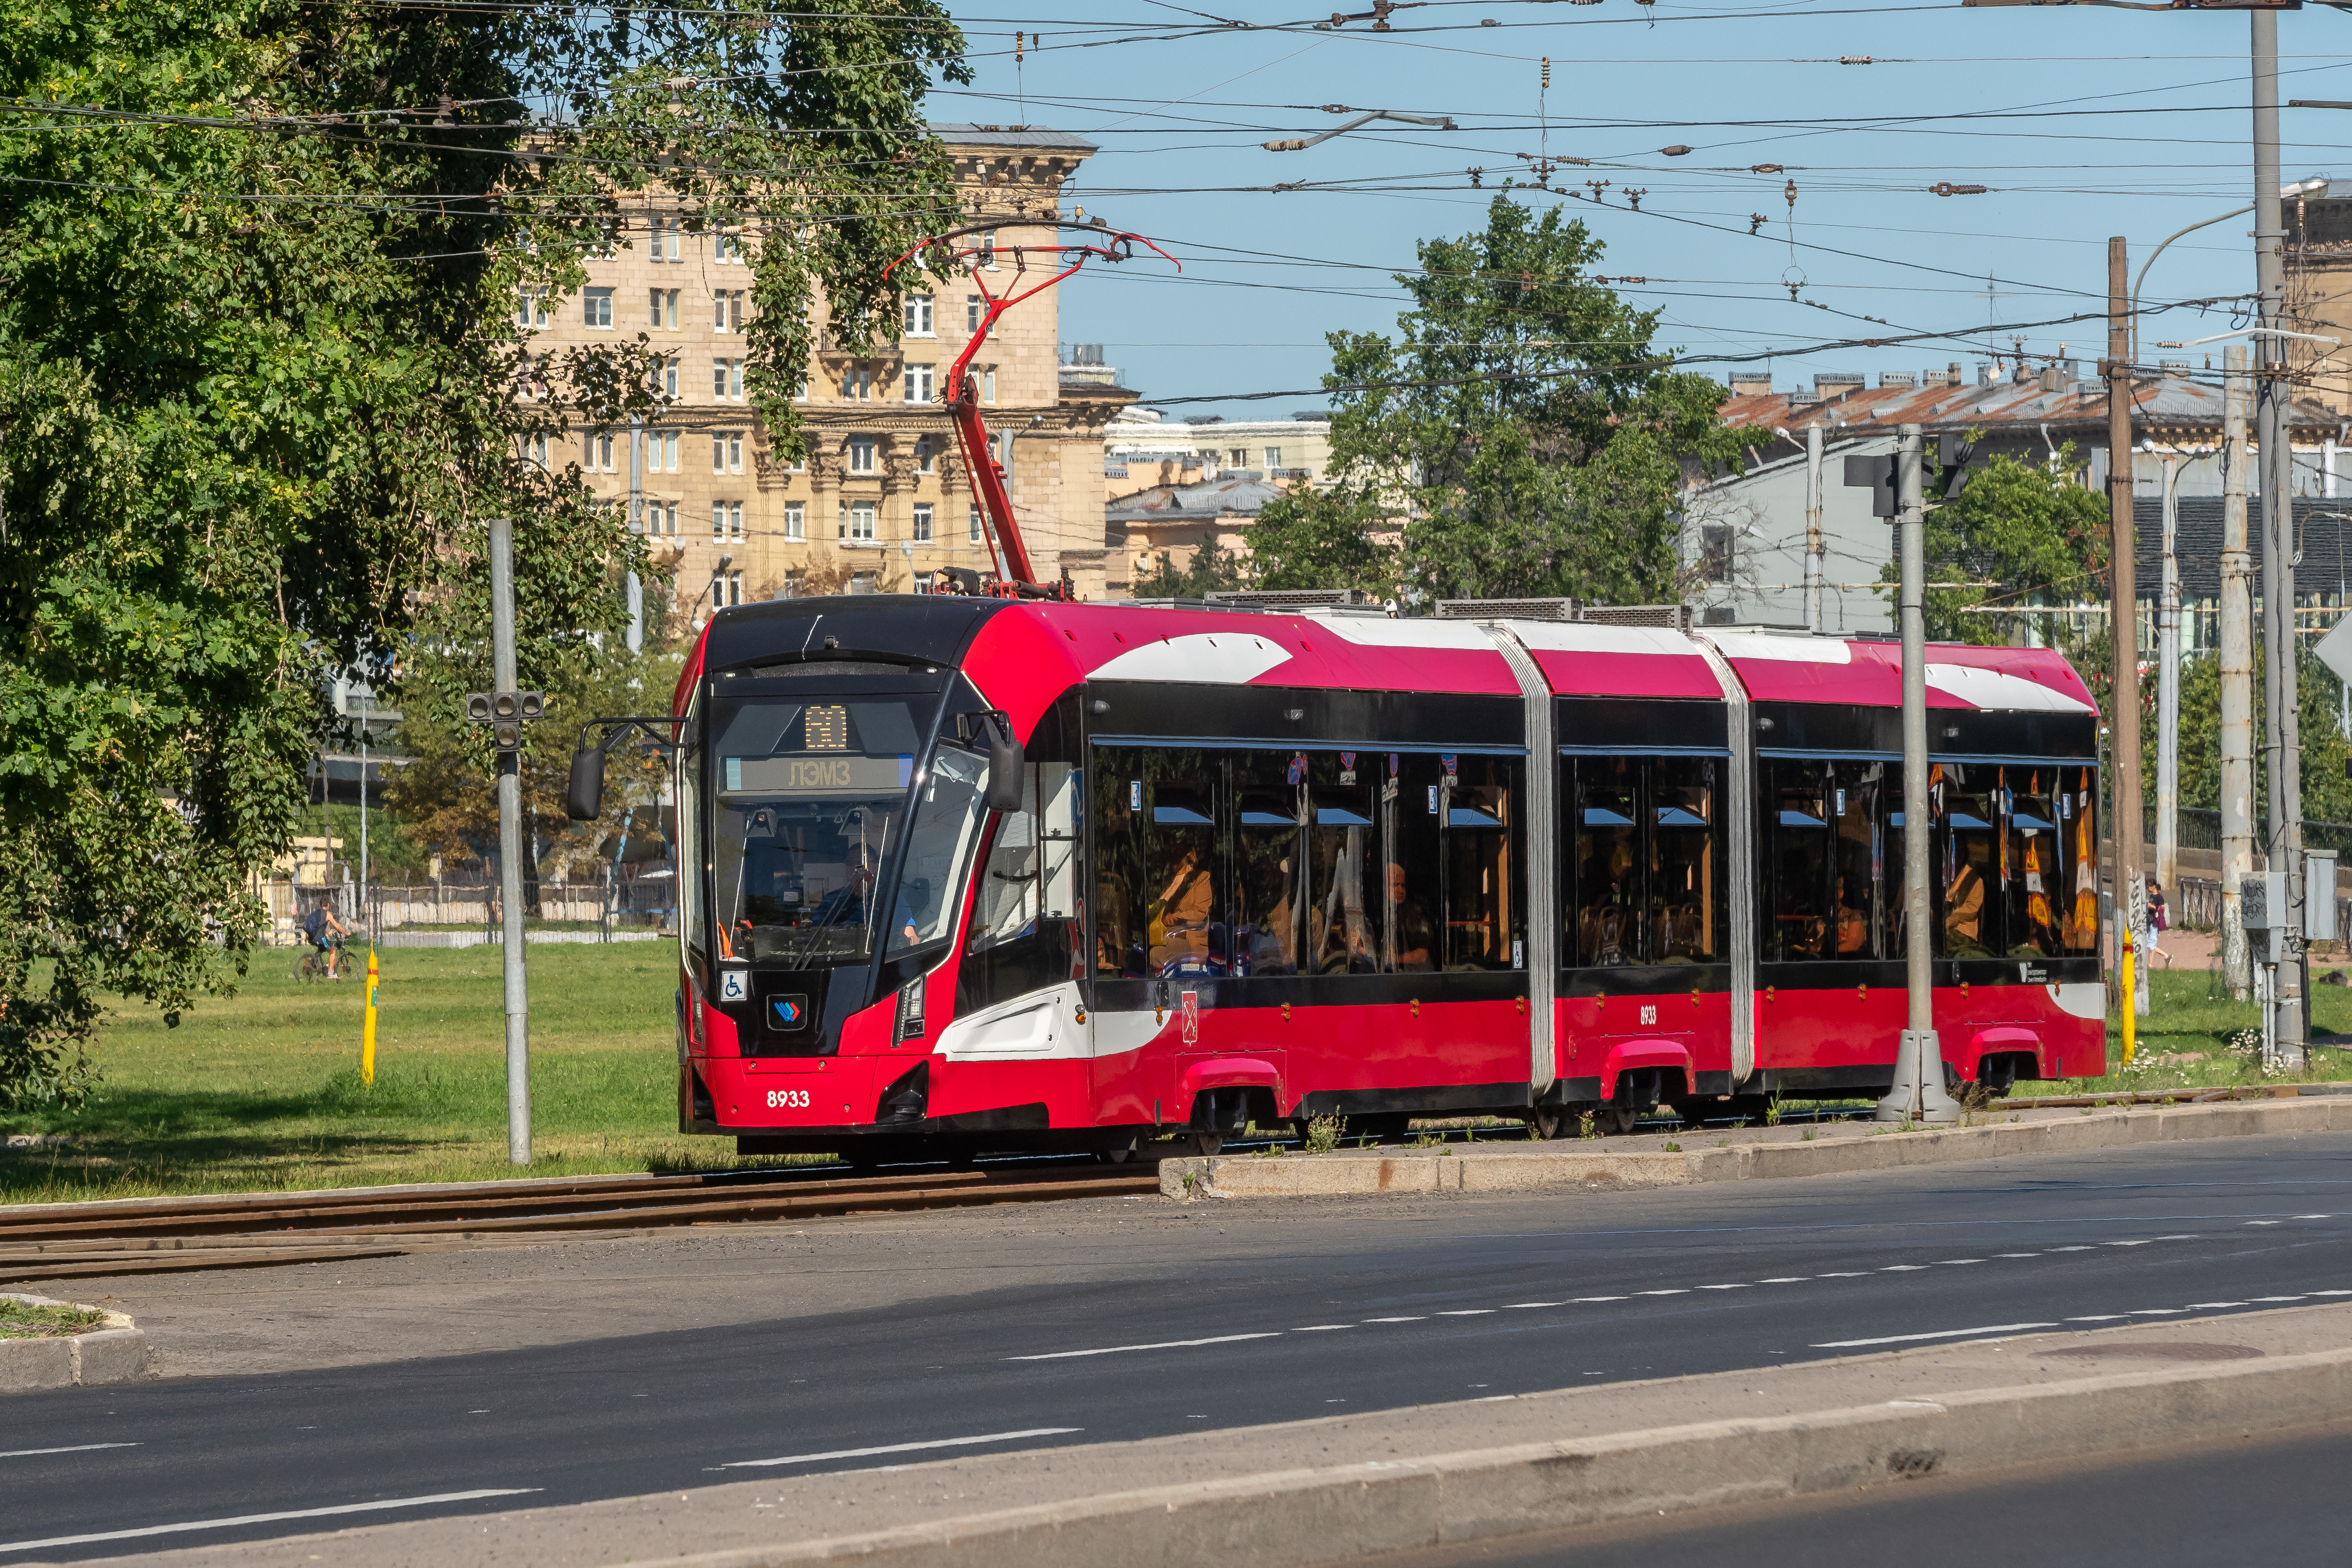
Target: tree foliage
point(1519, 428)
point(261, 381)
point(1213, 569)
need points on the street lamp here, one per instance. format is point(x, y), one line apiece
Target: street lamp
point(2300, 190)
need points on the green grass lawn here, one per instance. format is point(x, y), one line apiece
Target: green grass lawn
point(262, 1091)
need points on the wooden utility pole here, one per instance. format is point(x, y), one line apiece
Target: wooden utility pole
point(2123, 613)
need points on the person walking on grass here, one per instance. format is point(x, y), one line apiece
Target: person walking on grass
point(2160, 919)
point(316, 925)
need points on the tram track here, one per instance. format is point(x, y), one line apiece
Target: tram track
point(152, 1236)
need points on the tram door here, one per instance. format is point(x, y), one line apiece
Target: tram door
point(1025, 948)
point(1830, 973)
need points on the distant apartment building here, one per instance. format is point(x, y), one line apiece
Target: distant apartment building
point(1143, 451)
point(881, 504)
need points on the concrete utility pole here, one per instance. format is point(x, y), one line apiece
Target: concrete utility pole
point(512, 848)
point(2167, 692)
point(2237, 655)
point(1918, 1094)
point(2283, 840)
point(2123, 615)
point(636, 589)
point(1813, 550)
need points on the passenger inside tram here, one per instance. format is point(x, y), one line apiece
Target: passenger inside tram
point(1411, 935)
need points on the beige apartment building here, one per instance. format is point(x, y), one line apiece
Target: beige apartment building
point(882, 503)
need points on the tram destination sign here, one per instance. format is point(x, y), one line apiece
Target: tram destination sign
point(825, 774)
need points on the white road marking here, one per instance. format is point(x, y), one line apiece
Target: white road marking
point(1845, 1275)
point(1467, 1312)
point(2143, 1241)
point(1581, 1300)
point(2017, 1255)
point(1723, 1287)
point(2262, 1221)
point(1321, 1328)
point(1520, 1306)
point(2156, 1312)
point(1787, 1279)
point(1955, 1262)
point(1662, 1292)
point(903, 1448)
point(2099, 1317)
point(2314, 1216)
point(2332, 1292)
point(1395, 1320)
point(75, 1448)
point(1932, 1334)
point(2179, 1238)
point(2070, 1249)
point(1161, 1345)
point(2204, 1306)
point(1903, 1269)
point(2278, 1297)
point(246, 1519)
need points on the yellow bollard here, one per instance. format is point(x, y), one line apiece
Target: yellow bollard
point(367, 1031)
point(2131, 1009)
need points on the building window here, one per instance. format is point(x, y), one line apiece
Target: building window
point(599, 453)
point(919, 316)
point(988, 383)
point(727, 310)
point(857, 384)
point(536, 450)
point(662, 448)
point(919, 384)
point(971, 313)
point(726, 520)
point(975, 525)
point(727, 451)
point(662, 309)
point(861, 454)
point(858, 521)
point(664, 245)
point(726, 247)
point(800, 388)
point(727, 380)
point(792, 586)
point(1238, 457)
point(734, 587)
point(661, 517)
point(795, 520)
point(596, 306)
point(923, 581)
point(1715, 553)
point(532, 311)
point(669, 378)
point(861, 581)
point(988, 250)
point(922, 531)
point(1274, 456)
point(927, 458)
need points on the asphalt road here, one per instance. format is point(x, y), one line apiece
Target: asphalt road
point(2271, 1502)
point(1364, 1310)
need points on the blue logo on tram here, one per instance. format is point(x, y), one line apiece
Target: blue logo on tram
point(787, 1012)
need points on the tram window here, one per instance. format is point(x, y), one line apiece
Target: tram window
point(1481, 900)
point(1183, 866)
point(948, 817)
point(1269, 791)
point(1608, 813)
point(1800, 806)
point(1024, 920)
point(1891, 904)
point(1966, 866)
point(1342, 847)
point(1121, 897)
point(2033, 862)
point(1410, 891)
point(1851, 792)
point(2078, 860)
point(691, 861)
point(1689, 899)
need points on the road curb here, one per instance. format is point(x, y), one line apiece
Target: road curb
point(115, 1354)
point(1520, 1167)
point(1358, 1509)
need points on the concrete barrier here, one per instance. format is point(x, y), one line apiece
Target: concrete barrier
point(1521, 1166)
point(116, 1352)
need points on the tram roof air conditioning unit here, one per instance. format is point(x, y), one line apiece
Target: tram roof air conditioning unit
point(1507, 609)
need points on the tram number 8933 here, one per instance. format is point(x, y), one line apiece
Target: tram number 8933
point(788, 1099)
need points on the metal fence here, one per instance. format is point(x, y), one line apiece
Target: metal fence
point(2199, 827)
point(460, 914)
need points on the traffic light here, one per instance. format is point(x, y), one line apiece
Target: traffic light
point(504, 713)
point(1877, 476)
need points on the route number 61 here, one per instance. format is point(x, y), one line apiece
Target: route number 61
point(788, 1099)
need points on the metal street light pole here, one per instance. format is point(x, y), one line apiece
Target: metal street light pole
point(2236, 653)
point(1813, 545)
point(2124, 620)
point(512, 848)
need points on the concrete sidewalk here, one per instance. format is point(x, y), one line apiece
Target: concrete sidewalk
point(1682, 1159)
point(1343, 1487)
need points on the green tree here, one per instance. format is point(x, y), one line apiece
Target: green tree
point(2017, 536)
point(1520, 425)
point(2326, 793)
point(261, 380)
point(1324, 539)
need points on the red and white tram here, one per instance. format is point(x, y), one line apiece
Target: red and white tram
point(962, 872)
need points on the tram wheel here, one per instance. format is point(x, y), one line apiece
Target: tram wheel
point(1207, 1144)
point(1618, 1119)
point(1548, 1121)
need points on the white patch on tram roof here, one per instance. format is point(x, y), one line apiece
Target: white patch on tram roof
point(1998, 689)
point(1215, 658)
point(1790, 649)
point(1419, 631)
point(1591, 637)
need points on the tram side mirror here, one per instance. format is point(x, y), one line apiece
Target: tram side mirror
point(1003, 765)
point(584, 800)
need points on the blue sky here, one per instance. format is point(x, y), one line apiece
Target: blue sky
point(2083, 121)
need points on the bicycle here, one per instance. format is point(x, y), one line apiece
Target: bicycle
point(311, 965)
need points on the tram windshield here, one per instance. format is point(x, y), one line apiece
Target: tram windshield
point(810, 801)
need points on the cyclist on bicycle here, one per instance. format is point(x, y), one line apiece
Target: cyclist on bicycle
point(316, 927)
